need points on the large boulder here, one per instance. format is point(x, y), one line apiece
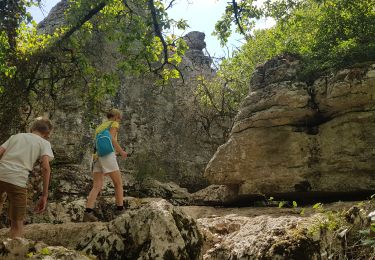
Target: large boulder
point(323, 234)
point(293, 137)
point(157, 230)
point(214, 195)
point(155, 189)
point(19, 248)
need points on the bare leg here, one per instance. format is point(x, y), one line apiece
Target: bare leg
point(16, 228)
point(96, 188)
point(117, 183)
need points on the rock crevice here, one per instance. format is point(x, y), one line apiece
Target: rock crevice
point(288, 133)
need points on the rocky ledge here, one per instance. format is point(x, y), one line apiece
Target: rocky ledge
point(291, 137)
point(155, 229)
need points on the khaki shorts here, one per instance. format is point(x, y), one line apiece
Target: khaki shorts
point(105, 164)
point(17, 200)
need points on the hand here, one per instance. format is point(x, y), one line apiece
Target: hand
point(124, 154)
point(42, 205)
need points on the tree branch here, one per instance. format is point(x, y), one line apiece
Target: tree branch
point(157, 30)
point(81, 21)
point(237, 18)
point(158, 33)
point(125, 2)
point(170, 4)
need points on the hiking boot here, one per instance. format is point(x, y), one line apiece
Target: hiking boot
point(89, 217)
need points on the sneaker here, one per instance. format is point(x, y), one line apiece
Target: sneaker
point(89, 217)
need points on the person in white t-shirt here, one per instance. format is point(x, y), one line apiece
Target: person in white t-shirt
point(17, 158)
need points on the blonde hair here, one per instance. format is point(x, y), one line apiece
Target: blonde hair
point(113, 112)
point(42, 125)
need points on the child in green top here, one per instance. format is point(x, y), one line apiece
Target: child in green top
point(107, 165)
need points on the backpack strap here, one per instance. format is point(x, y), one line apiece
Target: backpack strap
point(110, 126)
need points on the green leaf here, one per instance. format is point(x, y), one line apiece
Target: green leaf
point(45, 251)
point(317, 205)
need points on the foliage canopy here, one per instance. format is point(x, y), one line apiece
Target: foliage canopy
point(37, 64)
point(326, 34)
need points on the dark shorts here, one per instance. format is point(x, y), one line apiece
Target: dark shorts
point(17, 197)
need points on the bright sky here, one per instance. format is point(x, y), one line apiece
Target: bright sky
point(200, 14)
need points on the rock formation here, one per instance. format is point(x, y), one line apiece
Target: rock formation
point(158, 230)
point(292, 137)
point(196, 43)
point(270, 236)
point(55, 19)
point(155, 231)
point(20, 248)
point(214, 195)
point(161, 130)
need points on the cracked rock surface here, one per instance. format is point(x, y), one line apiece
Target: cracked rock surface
point(292, 137)
point(156, 230)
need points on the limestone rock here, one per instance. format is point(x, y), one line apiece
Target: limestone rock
point(278, 104)
point(161, 129)
point(259, 159)
point(349, 90)
point(169, 233)
point(290, 137)
point(234, 237)
point(60, 212)
point(196, 43)
point(195, 40)
point(72, 209)
point(19, 248)
point(214, 195)
point(156, 189)
point(156, 230)
point(55, 18)
point(278, 69)
point(316, 236)
point(159, 230)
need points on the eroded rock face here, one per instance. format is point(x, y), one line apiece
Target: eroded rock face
point(56, 18)
point(157, 230)
point(156, 189)
point(290, 137)
point(316, 236)
point(214, 195)
point(161, 130)
point(196, 43)
point(236, 237)
point(19, 248)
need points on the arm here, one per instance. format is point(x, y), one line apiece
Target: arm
point(46, 171)
point(2, 151)
point(116, 145)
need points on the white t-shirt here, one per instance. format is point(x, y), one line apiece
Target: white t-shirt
point(21, 153)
